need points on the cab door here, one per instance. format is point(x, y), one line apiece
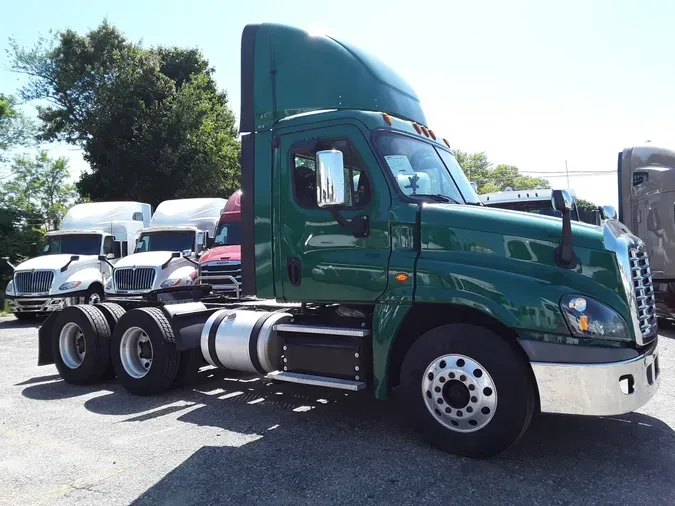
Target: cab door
point(318, 259)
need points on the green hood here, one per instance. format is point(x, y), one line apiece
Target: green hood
point(510, 223)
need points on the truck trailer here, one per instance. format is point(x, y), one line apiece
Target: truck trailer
point(368, 264)
point(69, 270)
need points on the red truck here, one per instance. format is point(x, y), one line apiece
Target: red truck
point(220, 266)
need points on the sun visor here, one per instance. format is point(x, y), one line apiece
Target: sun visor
point(286, 71)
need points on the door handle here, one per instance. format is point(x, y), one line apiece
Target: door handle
point(294, 271)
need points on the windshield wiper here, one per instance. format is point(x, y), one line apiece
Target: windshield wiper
point(436, 196)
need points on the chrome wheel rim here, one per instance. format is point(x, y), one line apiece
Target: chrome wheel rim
point(72, 345)
point(136, 352)
point(459, 393)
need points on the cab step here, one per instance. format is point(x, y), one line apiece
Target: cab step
point(318, 381)
point(322, 330)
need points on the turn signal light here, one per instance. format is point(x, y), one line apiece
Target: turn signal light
point(583, 322)
point(401, 277)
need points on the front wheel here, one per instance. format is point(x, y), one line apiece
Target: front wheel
point(94, 295)
point(467, 391)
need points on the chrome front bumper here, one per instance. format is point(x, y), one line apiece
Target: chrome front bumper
point(598, 389)
point(44, 304)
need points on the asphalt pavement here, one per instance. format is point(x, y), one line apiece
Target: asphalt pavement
point(243, 440)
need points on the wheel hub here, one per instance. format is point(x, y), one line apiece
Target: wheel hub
point(72, 345)
point(136, 352)
point(459, 393)
point(456, 394)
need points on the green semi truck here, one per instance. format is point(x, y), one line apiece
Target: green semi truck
point(368, 263)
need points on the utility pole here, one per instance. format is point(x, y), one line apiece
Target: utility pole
point(568, 175)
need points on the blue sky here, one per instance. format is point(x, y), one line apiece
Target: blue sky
point(532, 83)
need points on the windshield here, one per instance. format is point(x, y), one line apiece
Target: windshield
point(76, 244)
point(420, 168)
point(166, 241)
point(542, 207)
point(228, 233)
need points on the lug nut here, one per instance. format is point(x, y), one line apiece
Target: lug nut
point(356, 368)
point(356, 355)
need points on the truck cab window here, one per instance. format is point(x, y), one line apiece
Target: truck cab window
point(76, 244)
point(357, 190)
point(166, 241)
point(420, 168)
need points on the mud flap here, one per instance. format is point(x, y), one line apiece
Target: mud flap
point(45, 356)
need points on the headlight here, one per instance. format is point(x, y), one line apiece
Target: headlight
point(171, 282)
point(10, 287)
point(69, 285)
point(587, 317)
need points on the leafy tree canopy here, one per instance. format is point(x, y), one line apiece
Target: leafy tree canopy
point(151, 122)
point(488, 178)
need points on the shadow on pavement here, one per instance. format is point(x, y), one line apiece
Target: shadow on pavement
point(327, 446)
point(13, 323)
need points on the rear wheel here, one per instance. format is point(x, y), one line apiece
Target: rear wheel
point(80, 344)
point(144, 354)
point(112, 313)
point(466, 390)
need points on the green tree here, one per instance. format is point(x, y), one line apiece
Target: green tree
point(151, 122)
point(15, 129)
point(586, 209)
point(38, 191)
point(488, 178)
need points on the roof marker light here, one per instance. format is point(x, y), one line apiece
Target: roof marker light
point(387, 118)
point(433, 135)
point(417, 128)
point(425, 131)
point(446, 143)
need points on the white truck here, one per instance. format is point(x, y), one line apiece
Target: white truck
point(70, 271)
point(532, 201)
point(167, 252)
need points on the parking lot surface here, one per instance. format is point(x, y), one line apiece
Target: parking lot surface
point(242, 440)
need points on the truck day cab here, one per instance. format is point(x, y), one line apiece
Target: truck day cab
point(166, 254)
point(69, 270)
point(367, 265)
point(220, 265)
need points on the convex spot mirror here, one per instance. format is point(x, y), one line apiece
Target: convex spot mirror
point(330, 178)
point(608, 213)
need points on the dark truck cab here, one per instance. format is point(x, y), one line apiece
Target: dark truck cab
point(647, 206)
point(368, 263)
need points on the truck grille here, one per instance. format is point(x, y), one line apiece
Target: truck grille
point(214, 274)
point(641, 275)
point(33, 282)
point(134, 279)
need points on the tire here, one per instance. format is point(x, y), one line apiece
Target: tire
point(85, 329)
point(467, 390)
point(94, 295)
point(142, 368)
point(112, 313)
point(25, 317)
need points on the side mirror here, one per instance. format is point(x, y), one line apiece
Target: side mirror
point(608, 213)
point(562, 201)
point(330, 178)
point(117, 250)
point(187, 252)
point(137, 216)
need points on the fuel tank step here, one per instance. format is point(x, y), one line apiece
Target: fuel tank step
point(321, 329)
point(319, 381)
